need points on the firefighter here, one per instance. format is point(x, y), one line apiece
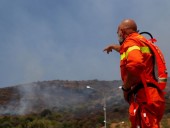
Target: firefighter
point(135, 60)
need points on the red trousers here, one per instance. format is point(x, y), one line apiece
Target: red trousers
point(144, 115)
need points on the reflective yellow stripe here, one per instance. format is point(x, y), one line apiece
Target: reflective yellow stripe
point(145, 50)
point(162, 80)
point(122, 56)
point(131, 49)
point(125, 54)
point(142, 49)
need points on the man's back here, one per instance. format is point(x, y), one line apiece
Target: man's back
point(136, 58)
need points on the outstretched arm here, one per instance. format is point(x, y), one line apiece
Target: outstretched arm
point(111, 47)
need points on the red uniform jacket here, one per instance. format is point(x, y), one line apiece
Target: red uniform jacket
point(136, 58)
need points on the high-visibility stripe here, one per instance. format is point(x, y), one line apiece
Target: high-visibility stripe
point(142, 49)
point(122, 56)
point(132, 48)
point(162, 80)
point(145, 50)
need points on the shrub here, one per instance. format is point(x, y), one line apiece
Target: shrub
point(6, 124)
point(45, 112)
point(40, 123)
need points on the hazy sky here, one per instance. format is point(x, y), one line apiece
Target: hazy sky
point(64, 39)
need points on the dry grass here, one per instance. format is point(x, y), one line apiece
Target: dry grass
point(165, 123)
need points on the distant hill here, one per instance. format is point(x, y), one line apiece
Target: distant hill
point(73, 96)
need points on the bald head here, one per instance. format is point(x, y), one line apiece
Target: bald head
point(128, 24)
point(125, 28)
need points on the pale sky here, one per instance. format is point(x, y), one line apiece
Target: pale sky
point(64, 39)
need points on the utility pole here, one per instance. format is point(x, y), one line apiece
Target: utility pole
point(104, 104)
point(104, 109)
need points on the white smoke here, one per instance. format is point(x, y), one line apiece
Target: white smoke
point(35, 97)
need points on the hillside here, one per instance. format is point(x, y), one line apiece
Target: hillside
point(72, 98)
point(58, 94)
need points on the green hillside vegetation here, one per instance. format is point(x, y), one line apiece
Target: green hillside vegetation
point(67, 104)
point(48, 119)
